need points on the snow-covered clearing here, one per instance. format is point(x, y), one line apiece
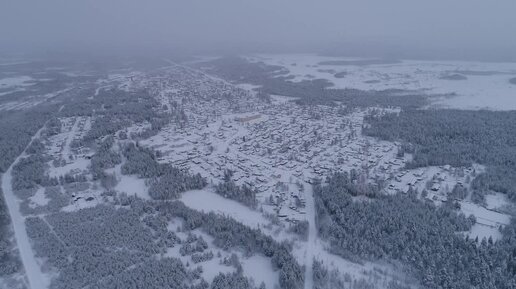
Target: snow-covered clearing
point(496, 201)
point(488, 221)
point(87, 199)
point(259, 268)
point(129, 184)
point(78, 165)
point(248, 86)
point(132, 185)
point(278, 99)
point(207, 201)
point(39, 198)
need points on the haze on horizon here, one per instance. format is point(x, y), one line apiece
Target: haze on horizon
point(470, 29)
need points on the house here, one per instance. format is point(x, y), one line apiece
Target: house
point(436, 187)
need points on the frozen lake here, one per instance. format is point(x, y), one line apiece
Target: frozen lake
point(475, 85)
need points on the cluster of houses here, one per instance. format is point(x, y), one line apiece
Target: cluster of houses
point(265, 144)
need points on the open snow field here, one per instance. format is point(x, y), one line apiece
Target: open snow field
point(474, 85)
point(488, 221)
point(207, 201)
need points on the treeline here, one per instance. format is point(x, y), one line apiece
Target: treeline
point(229, 233)
point(29, 172)
point(53, 126)
point(56, 201)
point(193, 244)
point(332, 279)
point(300, 228)
point(457, 138)
point(35, 147)
point(415, 232)
point(104, 158)
point(167, 273)
point(166, 181)
point(243, 194)
point(273, 81)
point(233, 280)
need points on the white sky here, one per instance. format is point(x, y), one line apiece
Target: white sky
point(204, 24)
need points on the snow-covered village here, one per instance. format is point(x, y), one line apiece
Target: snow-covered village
point(257, 144)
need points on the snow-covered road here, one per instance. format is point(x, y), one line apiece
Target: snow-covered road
point(66, 149)
point(312, 237)
point(36, 278)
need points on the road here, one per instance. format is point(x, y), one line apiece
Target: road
point(36, 278)
point(312, 237)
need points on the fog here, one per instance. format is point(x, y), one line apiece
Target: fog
point(395, 28)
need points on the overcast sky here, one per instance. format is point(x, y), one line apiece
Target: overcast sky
point(301, 25)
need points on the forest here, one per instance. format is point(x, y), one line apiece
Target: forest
point(115, 246)
point(243, 194)
point(457, 138)
point(166, 181)
point(17, 129)
point(167, 273)
point(115, 109)
point(229, 233)
point(325, 278)
point(107, 242)
point(29, 172)
point(424, 237)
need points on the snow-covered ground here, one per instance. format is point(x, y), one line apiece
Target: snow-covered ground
point(207, 201)
point(39, 198)
point(479, 85)
point(488, 221)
